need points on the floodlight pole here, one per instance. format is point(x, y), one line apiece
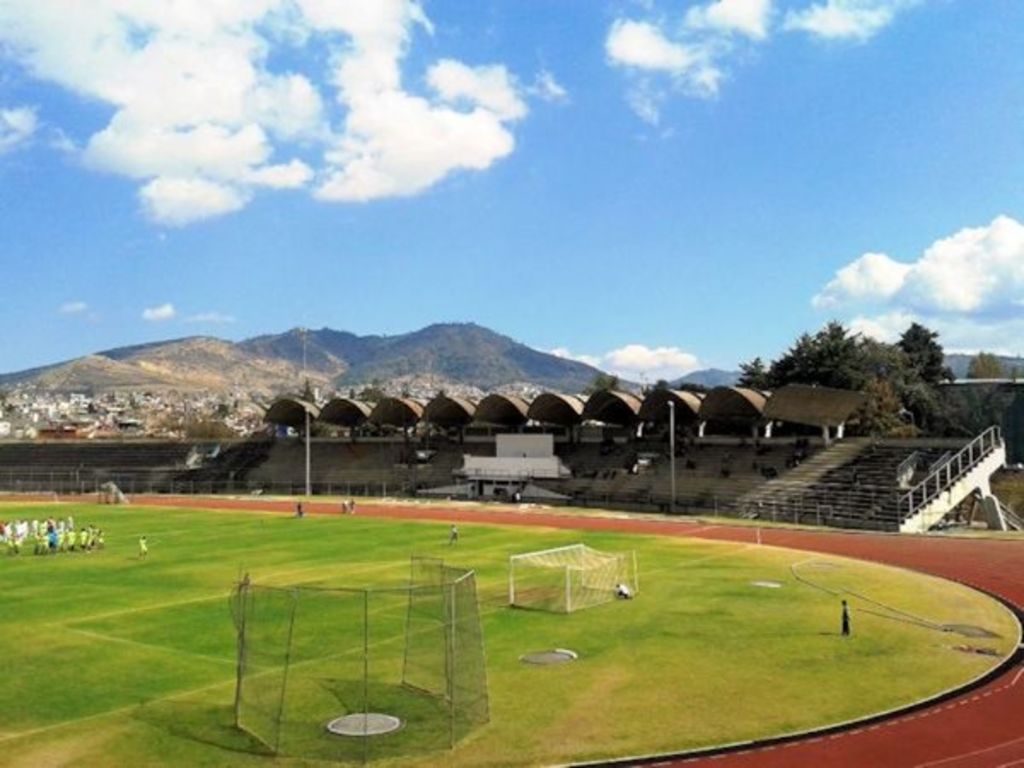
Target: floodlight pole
point(672, 450)
point(309, 484)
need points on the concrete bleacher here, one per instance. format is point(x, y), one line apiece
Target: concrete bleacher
point(854, 484)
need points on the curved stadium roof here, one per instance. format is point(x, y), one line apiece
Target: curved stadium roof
point(813, 406)
point(613, 407)
point(502, 410)
point(345, 412)
point(448, 411)
point(397, 412)
point(734, 404)
point(290, 412)
point(557, 409)
point(655, 406)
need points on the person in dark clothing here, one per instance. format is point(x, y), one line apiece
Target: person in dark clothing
point(846, 620)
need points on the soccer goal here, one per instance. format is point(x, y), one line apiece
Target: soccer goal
point(567, 579)
point(323, 674)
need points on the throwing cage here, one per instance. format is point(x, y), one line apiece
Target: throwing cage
point(309, 656)
point(567, 579)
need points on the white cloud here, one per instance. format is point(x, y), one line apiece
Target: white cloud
point(846, 19)
point(211, 318)
point(288, 176)
point(745, 17)
point(968, 286)
point(546, 88)
point(887, 327)
point(72, 308)
point(177, 202)
point(634, 361)
point(566, 354)
point(637, 362)
point(159, 313)
point(690, 55)
point(202, 106)
point(643, 45)
point(872, 277)
point(17, 125)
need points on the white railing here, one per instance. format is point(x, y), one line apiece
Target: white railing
point(948, 472)
point(905, 471)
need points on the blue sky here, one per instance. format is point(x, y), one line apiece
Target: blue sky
point(653, 186)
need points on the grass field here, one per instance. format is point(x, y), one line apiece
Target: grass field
point(108, 660)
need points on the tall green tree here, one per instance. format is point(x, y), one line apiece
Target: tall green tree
point(925, 354)
point(985, 365)
point(603, 381)
point(754, 375)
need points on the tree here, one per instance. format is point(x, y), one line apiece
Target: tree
point(925, 354)
point(880, 416)
point(754, 375)
point(833, 357)
point(603, 381)
point(985, 365)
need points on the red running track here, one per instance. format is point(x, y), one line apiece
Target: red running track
point(983, 728)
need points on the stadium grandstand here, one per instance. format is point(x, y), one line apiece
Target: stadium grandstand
point(782, 456)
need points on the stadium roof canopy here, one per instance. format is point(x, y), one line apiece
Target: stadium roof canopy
point(502, 410)
point(733, 404)
point(345, 412)
point(813, 406)
point(553, 408)
point(397, 412)
point(612, 407)
point(290, 411)
point(655, 406)
point(447, 411)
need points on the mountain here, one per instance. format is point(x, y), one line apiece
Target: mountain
point(959, 364)
point(710, 377)
point(460, 353)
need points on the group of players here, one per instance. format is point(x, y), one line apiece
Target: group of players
point(50, 536)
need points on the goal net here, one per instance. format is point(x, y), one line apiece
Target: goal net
point(567, 579)
point(309, 656)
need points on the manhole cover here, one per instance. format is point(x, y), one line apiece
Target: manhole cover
point(975, 649)
point(968, 630)
point(556, 656)
point(767, 584)
point(370, 724)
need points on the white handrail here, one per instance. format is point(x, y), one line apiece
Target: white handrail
point(949, 471)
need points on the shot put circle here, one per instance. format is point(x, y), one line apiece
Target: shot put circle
point(370, 724)
point(554, 656)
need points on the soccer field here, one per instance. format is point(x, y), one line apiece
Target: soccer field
point(110, 660)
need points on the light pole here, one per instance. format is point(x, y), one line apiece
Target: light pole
point(672, 450)
point(309, 482)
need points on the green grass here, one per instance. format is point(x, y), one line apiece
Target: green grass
point(109, 660)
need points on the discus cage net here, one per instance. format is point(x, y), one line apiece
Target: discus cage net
point(567, 579)
point(307, 656)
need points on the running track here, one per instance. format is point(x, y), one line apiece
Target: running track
point(980, 729)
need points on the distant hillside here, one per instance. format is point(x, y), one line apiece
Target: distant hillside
point(464, 354)
point(959, 364)
point(710, 377)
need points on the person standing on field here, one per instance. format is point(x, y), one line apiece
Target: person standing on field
point(845, 620)
point(453, 535)
point(143, 548)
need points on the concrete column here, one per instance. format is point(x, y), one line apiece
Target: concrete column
point(768, 429)
point(700, 428)
point(825, 436)
point(840, 431)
